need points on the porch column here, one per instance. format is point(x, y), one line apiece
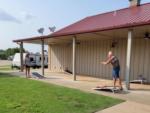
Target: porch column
point(128, 60)
point(42, 56)
point(74, 58)
point(21, 56)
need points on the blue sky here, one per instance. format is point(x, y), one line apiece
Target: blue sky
point(22, 18)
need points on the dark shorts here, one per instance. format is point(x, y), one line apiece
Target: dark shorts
point(27, 66)
point(115, 72)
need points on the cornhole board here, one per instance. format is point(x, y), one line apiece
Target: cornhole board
point(138, 81)
point(108, 89)
point(35, 74)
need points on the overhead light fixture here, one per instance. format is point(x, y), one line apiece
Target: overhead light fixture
point(78, 43)
point(114, 44)
point(147, 35)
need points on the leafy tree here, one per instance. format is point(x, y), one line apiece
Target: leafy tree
point(4, 54)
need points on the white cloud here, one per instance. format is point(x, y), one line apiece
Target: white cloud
point(4, 16)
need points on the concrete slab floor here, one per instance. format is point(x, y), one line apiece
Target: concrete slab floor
point(127, 107)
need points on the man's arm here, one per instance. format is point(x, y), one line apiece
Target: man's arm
point(107, 61)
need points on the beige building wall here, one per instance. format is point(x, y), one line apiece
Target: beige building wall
point(91, 53)
point(60, 57)
point(140, 59)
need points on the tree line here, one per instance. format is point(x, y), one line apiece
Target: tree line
point(5, 54)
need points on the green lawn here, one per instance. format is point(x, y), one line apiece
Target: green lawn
point(5, 68)
point(20, 95)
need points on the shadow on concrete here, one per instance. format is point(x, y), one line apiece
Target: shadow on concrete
point(39, 76)
point(53, 78)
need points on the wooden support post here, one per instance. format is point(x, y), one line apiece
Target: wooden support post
point(74, 58)
point(128, 60)
point(42, 56)
point(49, 57)
point(21, 57)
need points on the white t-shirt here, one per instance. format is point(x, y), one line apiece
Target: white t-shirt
point(27, 61)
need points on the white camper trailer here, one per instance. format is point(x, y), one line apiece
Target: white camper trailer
point(38, 60)
point(16, 60)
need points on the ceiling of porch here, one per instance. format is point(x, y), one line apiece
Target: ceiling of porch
point(138, 32)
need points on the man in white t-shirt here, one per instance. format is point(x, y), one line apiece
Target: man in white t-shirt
point(27, 66)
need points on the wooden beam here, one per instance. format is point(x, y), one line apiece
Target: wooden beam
point(42, 56)
point(21, 56)
point(128, 58)
point(74, 58)
point(49, 57)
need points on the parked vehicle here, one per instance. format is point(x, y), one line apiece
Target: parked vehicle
point(35, 60)
point(10, 58)
point(16, 63)
point(38, 60)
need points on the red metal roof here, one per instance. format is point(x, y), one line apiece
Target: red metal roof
point(123, 18)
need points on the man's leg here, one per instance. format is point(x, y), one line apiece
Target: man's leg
point(114, 80)
point(114, 77)
point(29, 72)
point(119, 79)
point(120, 83)
point(26, 72)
